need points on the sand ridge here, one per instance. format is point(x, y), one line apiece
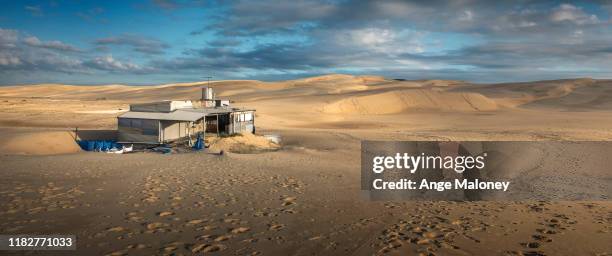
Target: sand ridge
point(304, 198)
point(241, 143)
point(399, 101)
point(356, 103)
point(39, 143)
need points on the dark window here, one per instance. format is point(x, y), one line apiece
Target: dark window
point(149, 127)
point(136, 123)
point(124, 122)
point(146, 131)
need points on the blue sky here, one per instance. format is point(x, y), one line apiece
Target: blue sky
point(163, 41)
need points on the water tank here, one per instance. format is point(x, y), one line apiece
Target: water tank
point(207, 93)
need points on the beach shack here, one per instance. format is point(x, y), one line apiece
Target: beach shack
point(166, 121)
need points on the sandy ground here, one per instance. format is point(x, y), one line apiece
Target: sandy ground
point(303, 199)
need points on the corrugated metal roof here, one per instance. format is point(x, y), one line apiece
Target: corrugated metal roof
point(178, 115)
point(216, 110)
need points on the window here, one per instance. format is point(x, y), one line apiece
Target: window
point(124, 122)
point(149, 131)
point(136, 123)
point(149, 127)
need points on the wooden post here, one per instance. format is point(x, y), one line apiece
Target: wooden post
point(189, 132)
point(217, 125)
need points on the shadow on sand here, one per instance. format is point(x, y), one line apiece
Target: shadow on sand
point(96, 134)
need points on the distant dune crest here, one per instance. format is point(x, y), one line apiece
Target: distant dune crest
point(409, 100)
point(344, 102)
point(348, 94)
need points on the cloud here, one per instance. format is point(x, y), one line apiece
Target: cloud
point(137, 43)
point(270, 56)
point(55, 45)
point(496, 57)
point(466, 15)
point(9, 60)
point(571, 13)
point(466, 39)
point(171, 5)
point(449, 39)
point(8, 38)
point(382, 40)
point(109, 63)
point(91, 14)
point(372, 37)
point(262, 17)
point(401, 38)
point(21, 52)
point(35, 10)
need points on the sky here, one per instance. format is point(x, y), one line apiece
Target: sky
point(166, 41)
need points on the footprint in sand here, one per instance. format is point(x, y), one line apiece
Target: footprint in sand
point(288, 211)
point(118, 253)
point(171, 246)
point(116, 229)
point(205, 237)
point(206, 228)
point(288, 200)
point(135, 218)
point(207, 248)
point(222, 238)
point(164, 213)
point(194, 222)
point(263, 213)
point(137, 246)
point(531, 245)
point(239, 230)
point(250, 240)
point(231, 220)
point(151, 199)
point(542, 238)
point(275, 227)
point(156, 227)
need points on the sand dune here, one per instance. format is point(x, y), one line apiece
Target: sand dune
point(335, 102)
point(38, 143)
point(341, 77)
point(573, 94)
point(566, 95)
point(245, 143)
point(592, 96)
point(411, 100)
point(301, 197)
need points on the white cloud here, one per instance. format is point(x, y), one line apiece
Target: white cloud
point(111, 64)
point(7, 59)
point(571, 13)
point(372, 37)
point(138, 43)
point(35, 10)
point(383, 40)
point(8, 38)
point(466, 15)
point(55, 45)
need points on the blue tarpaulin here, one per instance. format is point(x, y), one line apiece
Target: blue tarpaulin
point(98, 145)
point(199, 143)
